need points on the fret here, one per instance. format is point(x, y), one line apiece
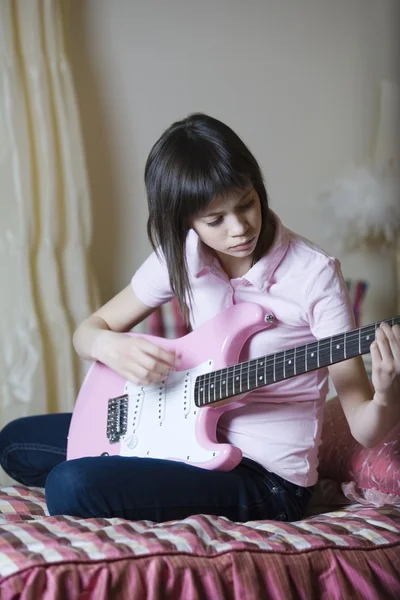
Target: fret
point(318, 364)
point(260, 379)
point(221, 376)
point(201, 390)
point(242, 377)
point(248, 375)
point(337, 348)
point(196, 392)
point(344, 345)
point(252, 379)
point(324, 354)
point(294, 361)
point(227, 379)
point(284, 364)
point(352, 345)
point(367, 337)
point(231, 380)
point(279, 366)
point(214, 385)
point(330, 351)
point(290, 362)
point(223, 383)
point(239, 376)
point(300, 360)
point(312, 356)
point(269, 369)
point(305, 357)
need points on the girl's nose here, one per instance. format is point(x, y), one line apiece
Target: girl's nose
point(237, 226)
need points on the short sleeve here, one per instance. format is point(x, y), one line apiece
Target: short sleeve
point(330, 311)
point(151, 282)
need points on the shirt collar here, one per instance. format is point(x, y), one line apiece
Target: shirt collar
point(262, 272)
point(201, 261)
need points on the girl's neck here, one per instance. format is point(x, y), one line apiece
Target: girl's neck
point(235, 268)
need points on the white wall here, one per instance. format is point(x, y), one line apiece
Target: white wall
point(297, 79)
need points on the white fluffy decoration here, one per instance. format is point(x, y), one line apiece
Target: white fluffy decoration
point(361, 209)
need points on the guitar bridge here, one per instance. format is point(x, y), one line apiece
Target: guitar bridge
point(117, 418)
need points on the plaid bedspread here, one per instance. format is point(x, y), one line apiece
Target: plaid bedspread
point(348, 554)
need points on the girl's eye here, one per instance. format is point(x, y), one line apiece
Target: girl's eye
point(215, 223)
point(243, 208)
point(247, 205)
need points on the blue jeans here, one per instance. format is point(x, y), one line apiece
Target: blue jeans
point(33, 451)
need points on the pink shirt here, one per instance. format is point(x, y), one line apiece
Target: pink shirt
point(280, 425)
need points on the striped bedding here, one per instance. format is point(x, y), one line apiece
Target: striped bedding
point(347, 554)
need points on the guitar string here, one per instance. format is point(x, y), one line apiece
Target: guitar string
point(252, 369)
point(230, 374)
point(301, 351)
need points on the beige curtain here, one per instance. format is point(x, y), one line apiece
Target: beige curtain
point(45, 222)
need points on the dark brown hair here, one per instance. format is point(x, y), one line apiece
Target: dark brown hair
point(195, 160)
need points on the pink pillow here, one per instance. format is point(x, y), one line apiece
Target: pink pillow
point(367, 475)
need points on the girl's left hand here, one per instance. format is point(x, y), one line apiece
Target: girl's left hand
point(385, 354)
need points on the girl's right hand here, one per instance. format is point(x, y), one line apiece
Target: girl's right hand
point(134, 358)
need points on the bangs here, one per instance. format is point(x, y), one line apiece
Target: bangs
point(196, 180)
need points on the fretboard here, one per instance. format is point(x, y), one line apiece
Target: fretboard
point(266, 370)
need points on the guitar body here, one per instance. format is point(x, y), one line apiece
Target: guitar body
point(162, 420)
point(174, 420)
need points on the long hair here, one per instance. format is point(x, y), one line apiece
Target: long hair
point(195, 160)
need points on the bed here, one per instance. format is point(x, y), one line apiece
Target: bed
point(347, 547)
point(349, 553)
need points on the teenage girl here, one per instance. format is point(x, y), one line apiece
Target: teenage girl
point(216, 243)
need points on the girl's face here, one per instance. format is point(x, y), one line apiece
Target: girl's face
point(231, 225)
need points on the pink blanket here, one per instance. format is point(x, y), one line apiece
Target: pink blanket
point(351, 553)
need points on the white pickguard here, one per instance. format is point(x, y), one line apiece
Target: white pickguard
point(162, 419)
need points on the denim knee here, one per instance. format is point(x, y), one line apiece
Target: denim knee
point(69, 491)
point(9, 455)
point(29, 450)
point(7, 436)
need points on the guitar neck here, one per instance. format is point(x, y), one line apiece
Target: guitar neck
point(266, 370)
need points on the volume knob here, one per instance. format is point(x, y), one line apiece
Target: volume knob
point(131, 441)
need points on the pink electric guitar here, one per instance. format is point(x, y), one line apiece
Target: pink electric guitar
point(176, 420)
